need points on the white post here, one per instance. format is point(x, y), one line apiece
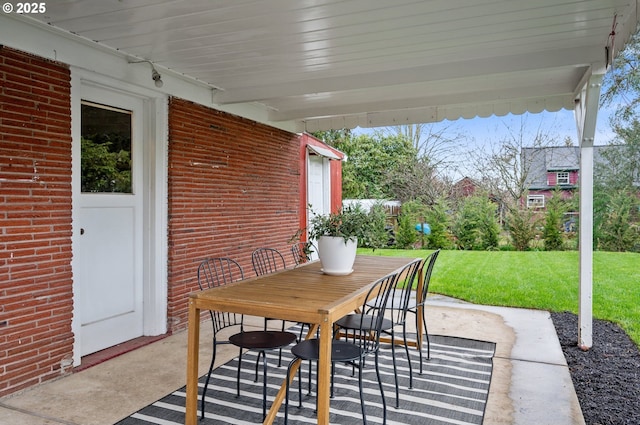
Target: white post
point(586, 116)
point(585, 314)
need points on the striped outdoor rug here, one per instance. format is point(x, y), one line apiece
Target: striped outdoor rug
point(453, 389)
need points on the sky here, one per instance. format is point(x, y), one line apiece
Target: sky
point(482, 133)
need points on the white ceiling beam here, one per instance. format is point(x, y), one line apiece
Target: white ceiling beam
point(429, 73)
point(559, 99)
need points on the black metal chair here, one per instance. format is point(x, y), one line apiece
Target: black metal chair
point(301, 252)
point(396, 307)
point(213, 272)
point(413, 306)
point(363, 341)
point(266, 261)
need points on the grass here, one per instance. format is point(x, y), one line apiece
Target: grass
point(538, 280)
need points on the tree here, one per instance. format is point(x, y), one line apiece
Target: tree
point(406, 236)
point(370, 161)
point(621, 83)
point(332, 137)
point(439, 220)
point(417, 181)
point(552, 232)
point(620, 167)
point(476, 225)
point(619, 230)
point(502, 168)
point(413, 212)
point(616, 171)
point(521, 224)
point(105, 167)
point(437, 145)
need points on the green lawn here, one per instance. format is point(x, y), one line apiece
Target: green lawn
point(539, 280)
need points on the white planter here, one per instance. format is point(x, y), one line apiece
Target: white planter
point(336, 256)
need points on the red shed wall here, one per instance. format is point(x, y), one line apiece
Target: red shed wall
point(233, 186)
point(335, 171)
point(336, 185)
point(36, 307)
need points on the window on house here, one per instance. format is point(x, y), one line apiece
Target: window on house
point(562, 178)
point(535, 201)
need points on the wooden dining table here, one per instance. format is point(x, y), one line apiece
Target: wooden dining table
point(302, 294)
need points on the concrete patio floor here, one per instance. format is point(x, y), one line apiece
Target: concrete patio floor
point(531, 384)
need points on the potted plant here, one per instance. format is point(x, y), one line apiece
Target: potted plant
point(339, 234)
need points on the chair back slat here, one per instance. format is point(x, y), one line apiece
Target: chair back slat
point(425, 273)
point(301, 252)
point(267, 260)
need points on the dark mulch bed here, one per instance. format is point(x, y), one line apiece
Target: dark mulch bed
point(606, 377)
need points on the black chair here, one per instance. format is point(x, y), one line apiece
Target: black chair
point(213, 272)
point(413, 306)
point(267, 261)
point(396, 307)
point(365, 341)
point(301, 252)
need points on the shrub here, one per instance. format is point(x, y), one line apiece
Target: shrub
point(552, 231)
point(618, 231)
point(406, 236)
point(476, 225)
point(521, 224)
point(439, 220)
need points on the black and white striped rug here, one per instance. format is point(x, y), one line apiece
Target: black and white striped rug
point(453, 389)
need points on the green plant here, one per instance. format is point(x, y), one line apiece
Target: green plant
point(105, 169)
point(406, 236)
point(618, 230)
point(476, 225)
point(412, 212)
point(521, 224)
point(439, 219)
point(351, 222)
point(553, 223)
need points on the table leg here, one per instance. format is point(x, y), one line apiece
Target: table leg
point(193, 345)
point(419, 335)
point(282, 393)
point(324, 373)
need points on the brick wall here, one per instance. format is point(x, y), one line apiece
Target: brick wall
point(233, 186)
point(35, 220)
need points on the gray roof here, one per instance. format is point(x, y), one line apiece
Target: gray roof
point(537, 162)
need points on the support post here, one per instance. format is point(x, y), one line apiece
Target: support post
point(586, 117)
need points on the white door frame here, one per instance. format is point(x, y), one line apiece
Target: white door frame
point(155, 203)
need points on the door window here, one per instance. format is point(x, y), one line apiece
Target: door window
point(106, 149)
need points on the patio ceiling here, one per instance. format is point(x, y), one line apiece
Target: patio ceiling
point(332, 64)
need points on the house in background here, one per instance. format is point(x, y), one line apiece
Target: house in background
point(547, 169)
point(464, 188)
point(550, 168)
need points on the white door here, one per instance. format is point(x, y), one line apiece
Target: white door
point(109, 266)
point(318, 187)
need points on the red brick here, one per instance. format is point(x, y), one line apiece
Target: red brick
point(35, 200)
point(216, 185)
